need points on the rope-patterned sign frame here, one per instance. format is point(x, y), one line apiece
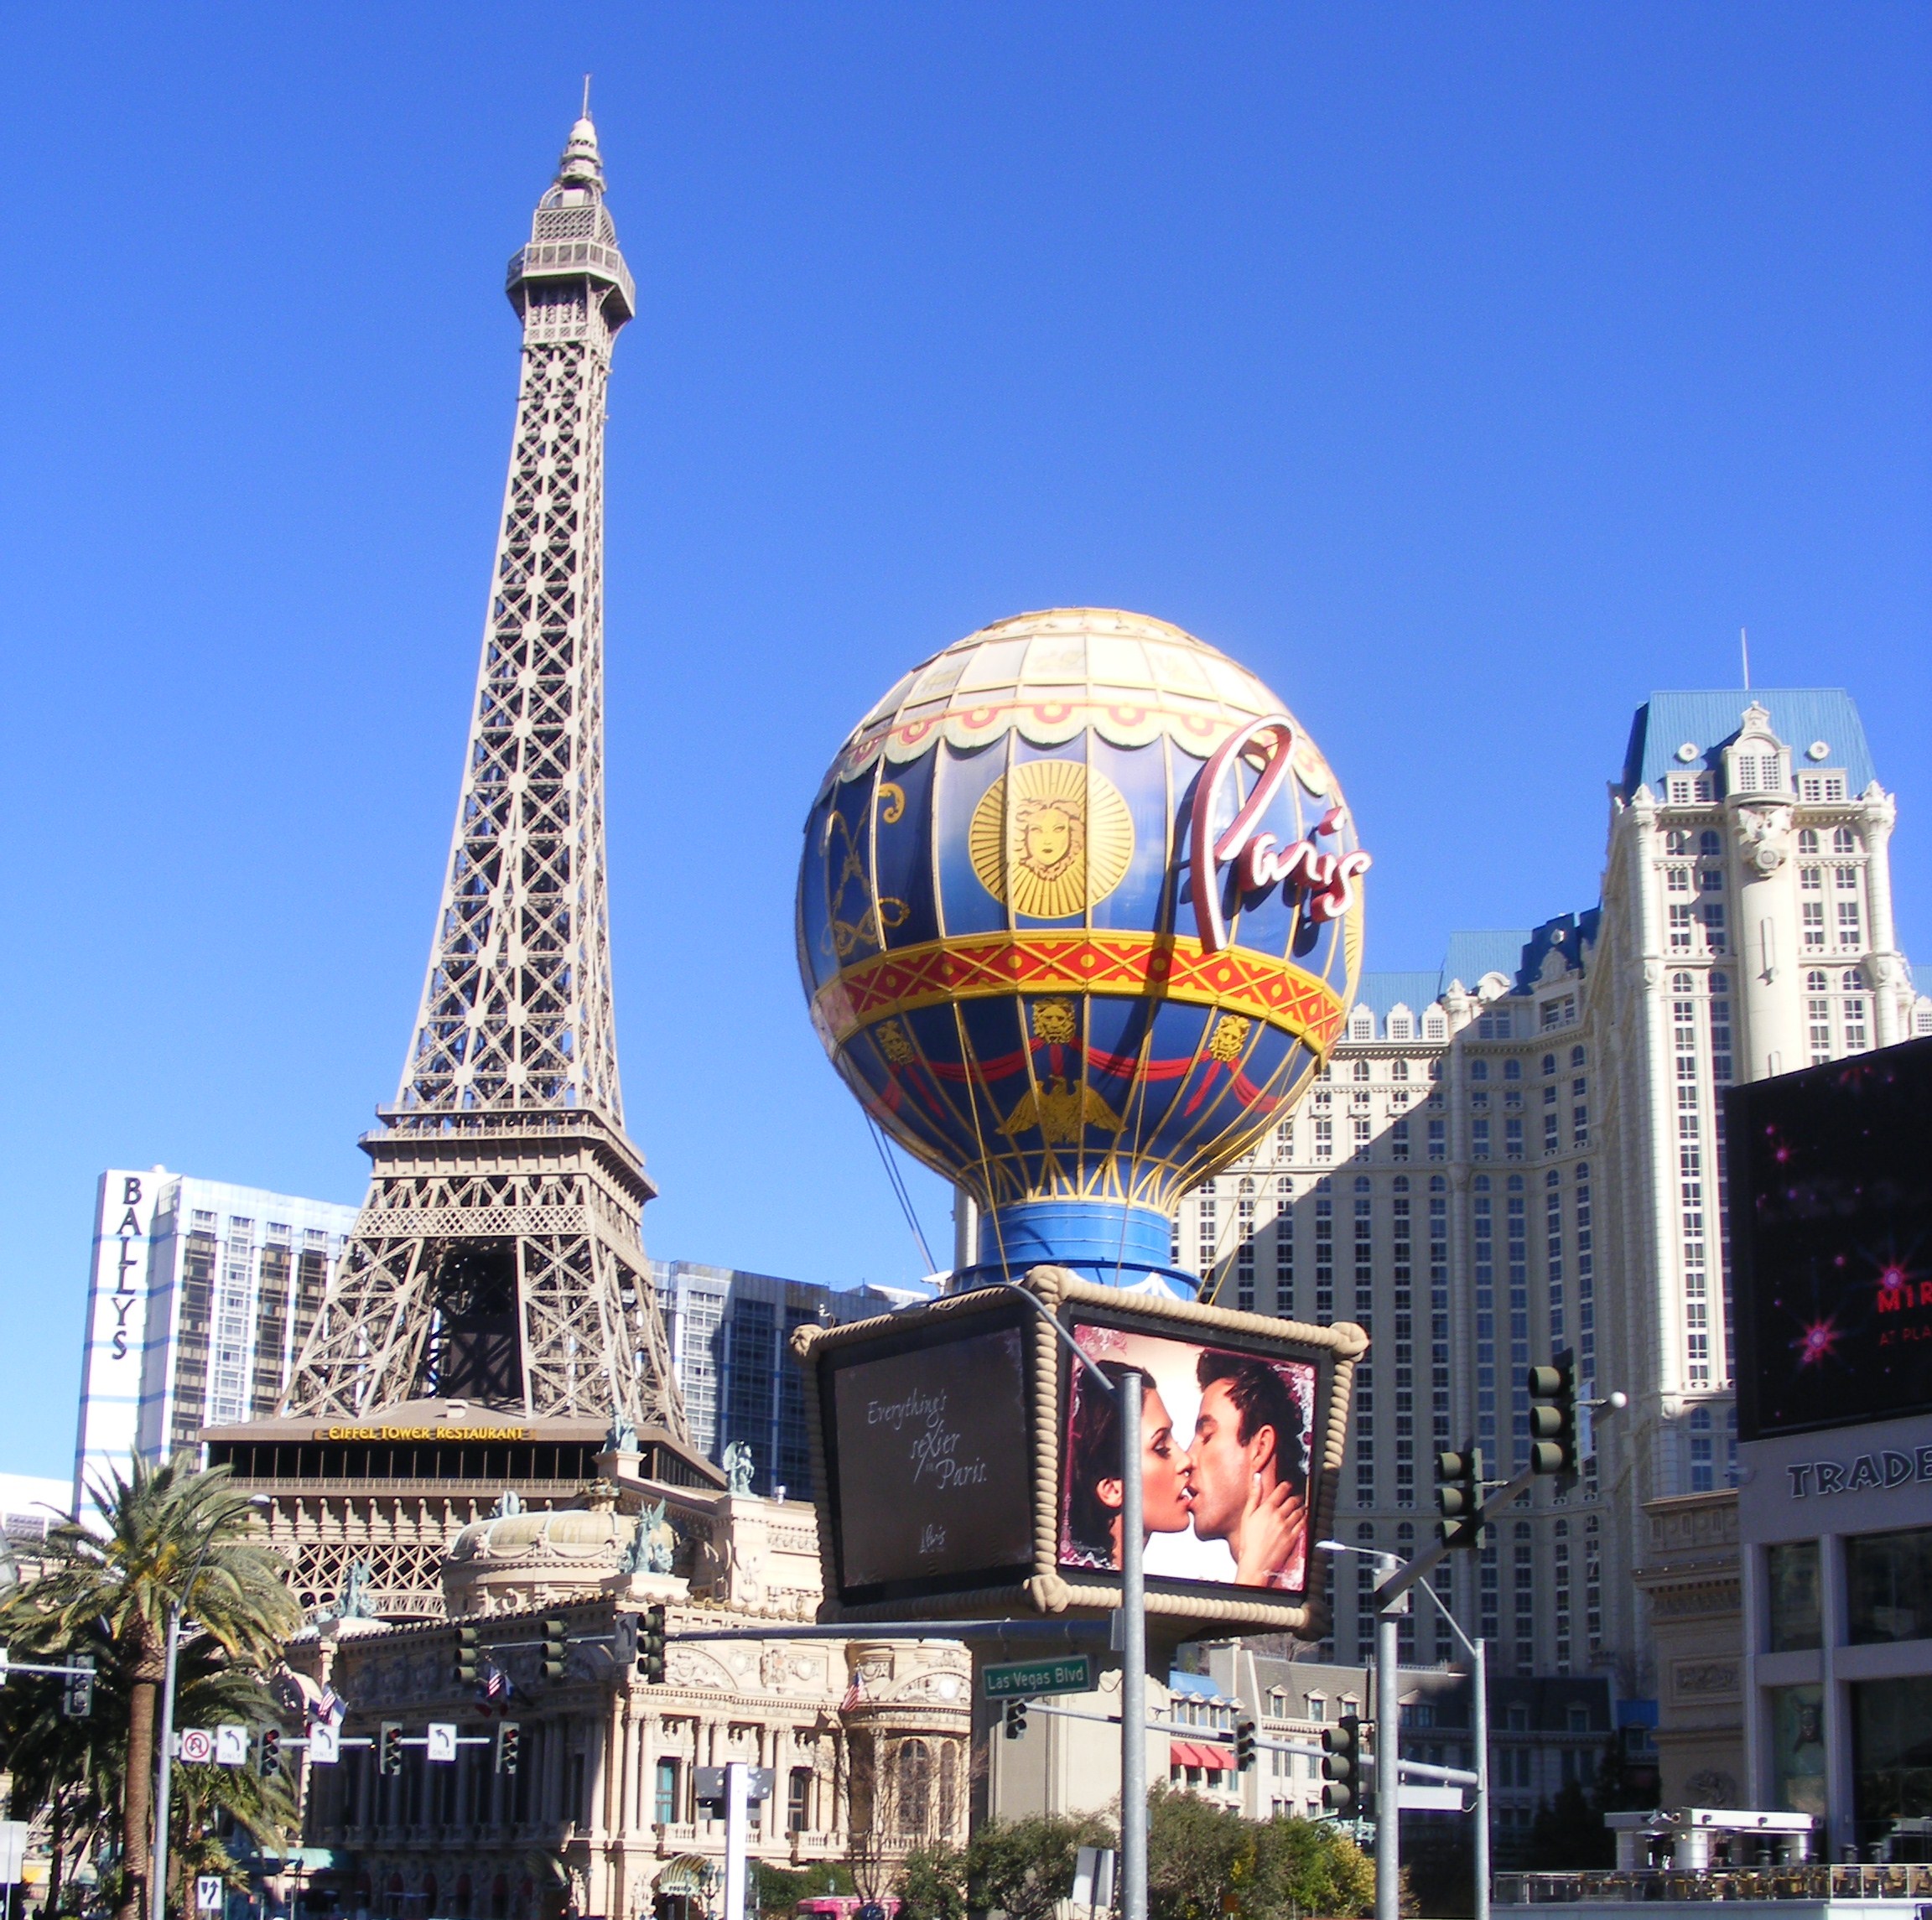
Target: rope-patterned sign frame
point(1047, 1585)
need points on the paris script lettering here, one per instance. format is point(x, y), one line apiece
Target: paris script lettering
point(1261, 860)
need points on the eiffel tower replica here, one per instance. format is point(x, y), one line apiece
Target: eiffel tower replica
point(496, 1281)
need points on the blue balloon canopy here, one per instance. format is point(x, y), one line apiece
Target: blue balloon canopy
point(1079, 916)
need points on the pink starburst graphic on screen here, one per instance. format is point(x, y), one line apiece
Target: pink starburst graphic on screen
point(1815, 1345)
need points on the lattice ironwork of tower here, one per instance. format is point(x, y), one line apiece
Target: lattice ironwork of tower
point(498, 1258)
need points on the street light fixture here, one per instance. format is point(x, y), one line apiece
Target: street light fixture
point(157, 1887)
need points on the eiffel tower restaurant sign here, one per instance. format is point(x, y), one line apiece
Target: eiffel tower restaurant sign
point(1079, 920)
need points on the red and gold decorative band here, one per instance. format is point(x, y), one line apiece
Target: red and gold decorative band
point(1166, 967)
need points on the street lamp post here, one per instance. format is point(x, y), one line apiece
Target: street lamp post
point(157, 1889)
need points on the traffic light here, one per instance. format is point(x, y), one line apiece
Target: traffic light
point(509, 1740)
point(556, 1649)
point(1015, 1718)
point(1244, 1732)
point(389, 1747)
point(1459, 1496)
point(469, 1653)
point(1553, 1415)
point(78, 1703)
point(269, 1754)
point(1342, 1765)
point(650, 1645)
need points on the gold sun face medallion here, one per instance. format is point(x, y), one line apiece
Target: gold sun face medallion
point(1051, 837)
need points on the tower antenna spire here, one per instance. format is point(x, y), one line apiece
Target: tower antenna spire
point(1744, 648)
point(586, 114)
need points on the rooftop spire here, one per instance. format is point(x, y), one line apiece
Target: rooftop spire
point(582, 165)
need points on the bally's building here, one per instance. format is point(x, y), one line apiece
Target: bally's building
point(1522, 1150)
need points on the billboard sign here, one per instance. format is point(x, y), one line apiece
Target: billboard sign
point(926, 1426)
point(1831, 1243)
point(967, 1463)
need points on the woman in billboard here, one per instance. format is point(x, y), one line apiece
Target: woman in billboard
point(1093, 1473)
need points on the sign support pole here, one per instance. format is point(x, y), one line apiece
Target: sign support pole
point(1387, 1767)
point(1134, 1660)
point(735, 1822)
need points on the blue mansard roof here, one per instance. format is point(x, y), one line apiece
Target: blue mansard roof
point(1516, 952)
point(1706, 721)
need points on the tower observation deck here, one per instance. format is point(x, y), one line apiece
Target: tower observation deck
point(497, 1260)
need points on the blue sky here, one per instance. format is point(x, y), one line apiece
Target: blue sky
point(1466, 371)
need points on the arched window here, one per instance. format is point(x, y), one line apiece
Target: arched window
point(1844, 841)
point(1549, 1063)
point(1284, 1186)
point(1401, 1183)
point(1583, 1171)
point(1683, 983)
point(1362, 1070)
point(1437, 1184)
point(1852, 980)
point(1362, 1183)
point(1399, 1070)
point(1699, 1419)
point(1562, 1529)
point(1677, 841)
point(1478, 1070)
point(1575, 1056)
point(1808, 840)
point(1522, 1529)
point(1515, 1183)
point(1708, 844)
point(1365, 1531)
point(1246, 1186)
point(1817, 982)
point(914, 1786)
point(1512, 1070)
point(948, 1786)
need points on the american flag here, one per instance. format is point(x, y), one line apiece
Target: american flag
point(330, 1707)
point(495, 1683)
point(854, 1693)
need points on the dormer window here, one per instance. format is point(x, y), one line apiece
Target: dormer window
point(1758, 762)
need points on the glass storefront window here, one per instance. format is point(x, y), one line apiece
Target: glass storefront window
point(1888, 1585)
point(1891, 1752)
point(1792, 1578)
point(1797, 1748)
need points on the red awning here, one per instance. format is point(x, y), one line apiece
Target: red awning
point(1187, 1753)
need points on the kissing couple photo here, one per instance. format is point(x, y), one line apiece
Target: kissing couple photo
point(1223, 1461)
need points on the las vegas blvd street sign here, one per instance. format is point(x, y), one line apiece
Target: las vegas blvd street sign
point(1020, 1679)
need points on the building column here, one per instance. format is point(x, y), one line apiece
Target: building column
point(1884, 970)
point(1840, 1832)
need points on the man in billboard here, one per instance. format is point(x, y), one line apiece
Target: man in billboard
point(1249, 1479)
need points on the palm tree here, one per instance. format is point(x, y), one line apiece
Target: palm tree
point(172, 1540)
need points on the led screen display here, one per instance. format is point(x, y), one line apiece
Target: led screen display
point(1226, 1429)
point(930, 1464)
point(1831, 1242)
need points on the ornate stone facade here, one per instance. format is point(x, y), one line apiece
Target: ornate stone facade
point(868, 1740)
point(1690, 1571)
